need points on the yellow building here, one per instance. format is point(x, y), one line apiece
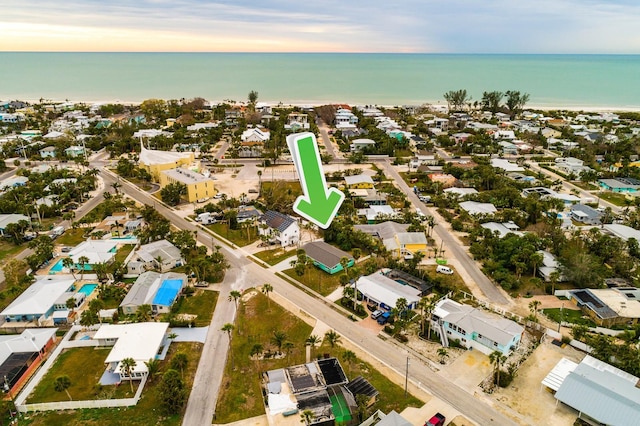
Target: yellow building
point(199, 186)
point(406, 244)
point(156, 162)
point(359, 182)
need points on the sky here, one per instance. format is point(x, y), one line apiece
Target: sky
point(403, 26)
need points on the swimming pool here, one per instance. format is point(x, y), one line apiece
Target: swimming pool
point(58, 267)
point(401, 281)
point(87, 289)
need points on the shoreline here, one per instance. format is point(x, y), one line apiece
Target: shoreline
point(304, 103)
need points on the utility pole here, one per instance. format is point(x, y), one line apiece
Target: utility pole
point(406, 378)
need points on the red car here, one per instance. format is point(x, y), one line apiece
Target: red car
point(437, 420)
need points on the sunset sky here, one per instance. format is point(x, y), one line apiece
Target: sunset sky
point(443, 26)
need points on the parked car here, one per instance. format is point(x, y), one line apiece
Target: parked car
point(384, 318)
point(444, 270)
point(377, 313)
point(437, 420)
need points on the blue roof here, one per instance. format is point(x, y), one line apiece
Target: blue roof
point(167, 292)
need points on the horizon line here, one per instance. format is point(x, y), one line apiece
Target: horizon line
point(325, 52)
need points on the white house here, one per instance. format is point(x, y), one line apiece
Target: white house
point(297, 122)
point(160, 291)
point(385, 292)
point(361, 144)
point(158, 254)
point(279, 227)
point(139, 341)
point(255, 135)
point(506, 165)
point(97, 251)
point(476, 208)
point(37, 302)
point(474, 328)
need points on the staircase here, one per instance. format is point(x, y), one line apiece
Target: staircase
point(443, 336)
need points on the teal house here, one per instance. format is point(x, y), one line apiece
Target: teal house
point(327, 257)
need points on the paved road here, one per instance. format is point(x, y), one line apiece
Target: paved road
point(571, 187)
point(245, 274)
point(454, 247)
point(326, 140)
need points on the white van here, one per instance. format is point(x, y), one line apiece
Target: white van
point(444, 270)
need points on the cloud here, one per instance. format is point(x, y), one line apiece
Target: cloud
point(458, 26)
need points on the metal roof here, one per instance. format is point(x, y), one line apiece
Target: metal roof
point(603, 392)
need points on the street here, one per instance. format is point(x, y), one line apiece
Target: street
point(454, 247)
point(245, 274)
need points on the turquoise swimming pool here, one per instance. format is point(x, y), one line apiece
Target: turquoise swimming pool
point(87, 289)
point(58, 267)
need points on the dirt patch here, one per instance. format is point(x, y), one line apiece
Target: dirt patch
point(526, 394)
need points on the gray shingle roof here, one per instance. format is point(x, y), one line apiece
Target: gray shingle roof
point(325, 253)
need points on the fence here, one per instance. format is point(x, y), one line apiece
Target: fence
point(97, 403)
point(506, 314)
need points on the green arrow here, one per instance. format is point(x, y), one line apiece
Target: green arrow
point(319, 204)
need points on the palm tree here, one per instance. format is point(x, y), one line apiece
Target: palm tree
point(62, 383)
point(287, 347)
point(144, 312)
point(256, 351)
point(266, 289)
point(349, 357)
point(82, 261)
point(180, 361)
point(312, 341)
point(128, 365)
point(533, 307)
point(116, 225)
point(259, 183)
point(278, 339)
point(443, 354)
point(153, 368)
point(116, 185)
point(235, 295)
point(228, 328)
point(68, 263)
point(332, 338)
point(497, 358)
point(307, 416)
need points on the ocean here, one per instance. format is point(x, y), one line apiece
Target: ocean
point(570, 81)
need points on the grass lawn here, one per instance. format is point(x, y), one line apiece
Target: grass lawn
point(236, 236)
point(569, 315)
point(316, 279)
point(391, 395)
point(72, 237)
point(84, 366)
point(202, 303)
point(452, 282)
point(8, 250)
point(241, 396)
point(293, 187)
point(585, 185)
point(614, 198)
point(275, 256)
point(123, 252)
point(147, 412)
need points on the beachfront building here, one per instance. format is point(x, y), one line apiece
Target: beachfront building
point(160, 255)
point(155, 161)
point(160, 291)
point(199, 186)
point(474, 328)
point(36, 304)
point(327, 257)
point(139, 341)
point(297, 121)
